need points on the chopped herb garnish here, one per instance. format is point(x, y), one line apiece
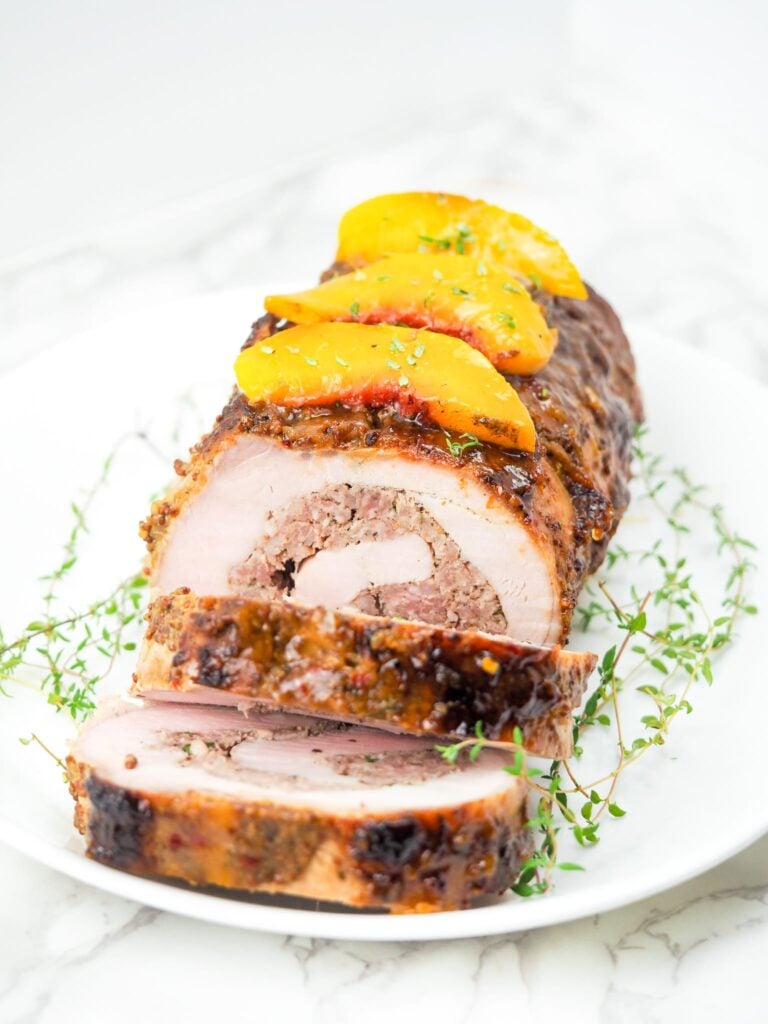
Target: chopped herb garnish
point(267, 350)
point(459, 241)
point(463, 235)
point(403, 381)
point(341, 362)
point(419, 351)
point(511, 288)
point(441, 243)
point(396, 345)
point(462, 291)
point(507, 319)
point(393, 365)
point(310, 361)
point(354, 309)
point(458, 448)
point(384, 277)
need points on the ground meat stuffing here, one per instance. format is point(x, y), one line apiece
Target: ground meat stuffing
point(391, 767)
point(455, 595)
point(217, 755)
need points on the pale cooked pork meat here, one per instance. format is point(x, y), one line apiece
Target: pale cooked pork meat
point(454, 553)
point(285, 803)
point(349, 666)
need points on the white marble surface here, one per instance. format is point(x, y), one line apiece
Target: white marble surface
point(697, 952)
point(664, 223)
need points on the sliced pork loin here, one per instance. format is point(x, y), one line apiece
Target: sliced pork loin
point(355, 507)
point(351, 667)
point(293, 805)
point(271, 507)
point(379, 517)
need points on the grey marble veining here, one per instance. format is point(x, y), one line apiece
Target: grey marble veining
point(669, 235)
point(70, 952)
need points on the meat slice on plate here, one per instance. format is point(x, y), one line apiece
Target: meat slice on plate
point(352, 667)
point(293, 805)
point(271, 507)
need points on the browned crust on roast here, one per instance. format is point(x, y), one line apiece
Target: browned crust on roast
point(414, 861)
point(570, 493)
point(409, 676)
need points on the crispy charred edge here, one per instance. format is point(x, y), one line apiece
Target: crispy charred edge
point(585, 405)
point(417, 678)
point(426, 860)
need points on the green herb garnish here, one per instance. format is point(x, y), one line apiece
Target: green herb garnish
point(458, 448)
point(507, 319)
point(665, 644)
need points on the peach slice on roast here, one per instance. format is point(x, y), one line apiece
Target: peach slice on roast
point(442, 377)
point(458, 295)
point(436, 222)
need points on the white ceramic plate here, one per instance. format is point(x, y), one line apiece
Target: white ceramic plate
point(62, 412)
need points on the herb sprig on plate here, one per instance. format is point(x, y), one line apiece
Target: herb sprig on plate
point(65, 652)
point(663, 641)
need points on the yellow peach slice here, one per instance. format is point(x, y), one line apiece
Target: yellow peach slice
point(457, 295)
point(436, 222)
point(442, 377)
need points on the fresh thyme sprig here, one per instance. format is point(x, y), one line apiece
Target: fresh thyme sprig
point(65, 652)
point(664, 643)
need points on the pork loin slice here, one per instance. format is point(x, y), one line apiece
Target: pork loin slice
point(354, 667)
point(382, 531)
point(294, 805)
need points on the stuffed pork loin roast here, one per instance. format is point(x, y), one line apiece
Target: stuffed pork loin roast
point(388, 526)
point(388, 520)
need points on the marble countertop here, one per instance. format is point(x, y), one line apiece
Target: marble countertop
point(76, 954)
point(664, 225)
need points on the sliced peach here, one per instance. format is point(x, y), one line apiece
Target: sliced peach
point(459, 295)
point(417, 371)
point(437, 222)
